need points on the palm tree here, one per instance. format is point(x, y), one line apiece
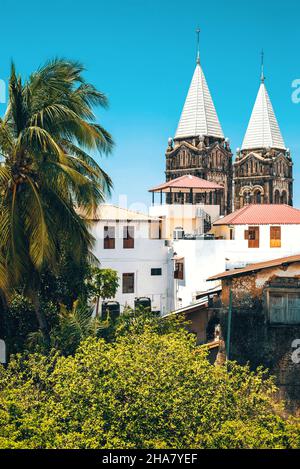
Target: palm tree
point(47, 136)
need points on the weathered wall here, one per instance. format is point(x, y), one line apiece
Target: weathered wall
point(256, 341)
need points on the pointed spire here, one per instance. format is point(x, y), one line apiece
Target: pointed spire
point(263, 130)
point(199, 116)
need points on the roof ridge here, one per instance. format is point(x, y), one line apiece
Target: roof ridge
point(127, 209)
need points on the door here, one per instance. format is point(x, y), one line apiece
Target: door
point(253, 237)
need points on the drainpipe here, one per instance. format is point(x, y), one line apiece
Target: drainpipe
point(229, 325)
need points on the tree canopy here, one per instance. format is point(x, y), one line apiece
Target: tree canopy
point(144, 390)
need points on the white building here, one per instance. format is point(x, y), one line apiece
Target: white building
point(252, 234)
point(128, 242)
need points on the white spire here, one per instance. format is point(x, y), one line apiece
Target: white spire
point(199, 116)
point(263, 129)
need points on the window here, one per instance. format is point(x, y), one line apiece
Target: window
point(275, 236)
point(128, 237)
point(109, 237)
point(253, 237)
point(284, 307)
point(178, 272)
point(128, 283)
point(156, 271)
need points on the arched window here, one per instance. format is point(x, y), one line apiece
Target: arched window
point(284, 197)
point(247, 198)
point(257, 197)
point(277, 197)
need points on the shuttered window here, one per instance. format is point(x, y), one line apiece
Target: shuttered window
point(253, 237)
point(109, 237)
point(284, 308)
point(178, 273)
point(128, 283)
point(275, 236)
point(128, 237)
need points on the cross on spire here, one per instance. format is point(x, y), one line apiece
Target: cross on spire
point(262, 75)
point(198, 45)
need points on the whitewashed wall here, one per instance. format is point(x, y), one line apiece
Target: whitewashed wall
point(146, 254)
point(205, 258)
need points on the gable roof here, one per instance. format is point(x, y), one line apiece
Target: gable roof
point(263, 130)
point(108, 212)
point(199, 116)
point(256, 267)
point(187, 182)
point(262, 214)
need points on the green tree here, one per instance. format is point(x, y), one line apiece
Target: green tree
point(46, 135)
point(145, 390)
point(103, 283)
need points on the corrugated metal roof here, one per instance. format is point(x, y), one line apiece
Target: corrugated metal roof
point(187, 182)
point(263, 129)
point(115, 213)
point(257, 266)
point(262, 214)
point(199, 116)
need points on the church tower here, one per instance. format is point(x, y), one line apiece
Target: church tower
point(263, 166)
point(199, 147)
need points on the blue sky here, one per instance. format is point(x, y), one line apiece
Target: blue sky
point(142, 55)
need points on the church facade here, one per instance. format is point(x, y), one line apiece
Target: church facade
point(262, 171)
point(263, 168)
point(199, 147)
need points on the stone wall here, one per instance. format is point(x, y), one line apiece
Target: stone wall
point(253, 338)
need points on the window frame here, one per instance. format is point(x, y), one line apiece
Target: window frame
point(156, 269)
point(128, 275)
point(179, 270)
point(283, 293)
point(108, 241)
point(275, 240)
point(128, 239)
point(253, 243)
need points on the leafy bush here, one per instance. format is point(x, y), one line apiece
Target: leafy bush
point(144, 390)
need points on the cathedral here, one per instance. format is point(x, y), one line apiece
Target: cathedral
point(262, 171)
point(263, 168)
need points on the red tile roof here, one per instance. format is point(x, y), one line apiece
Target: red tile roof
point(257, 266)
point(187, 182)
point(262, 214)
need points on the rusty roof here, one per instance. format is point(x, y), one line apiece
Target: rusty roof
point(187, 182)
point(256, 267)
point(262, 214)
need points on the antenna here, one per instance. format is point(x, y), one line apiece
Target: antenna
point(198, 45)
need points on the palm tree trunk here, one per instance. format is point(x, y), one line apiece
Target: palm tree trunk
point(40, 316)
point(97, 306)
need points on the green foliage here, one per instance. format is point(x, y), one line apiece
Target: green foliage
point(102, 283)
point(20, 320)
point(145, 390)
point(71, 328)
point(135, 321)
